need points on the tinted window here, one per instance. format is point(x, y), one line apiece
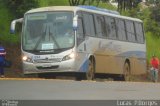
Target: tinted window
point(121, 29)
point(139, 32)
point(111, 27)
point(80, 31)
point(80, 28)
point(92, 26)
point(130, 31)
point(101, 29)
point(89, 24)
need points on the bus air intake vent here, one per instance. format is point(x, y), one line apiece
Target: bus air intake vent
point(51, 67)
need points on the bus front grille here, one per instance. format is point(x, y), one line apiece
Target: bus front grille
point(47, 60)
point(51, 67)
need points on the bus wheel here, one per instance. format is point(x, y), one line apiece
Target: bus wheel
point(127, 74)
point(91, 70)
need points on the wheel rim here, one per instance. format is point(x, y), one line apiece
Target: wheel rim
point(90, 72)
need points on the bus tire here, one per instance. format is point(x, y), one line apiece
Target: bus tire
point(90, 74)
point(126, 70)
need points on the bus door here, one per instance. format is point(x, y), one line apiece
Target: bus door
point(82, 62)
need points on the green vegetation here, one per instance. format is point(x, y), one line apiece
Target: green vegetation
point(152, 45)
point(43, 3)
point(5, 19)
point(151, 17)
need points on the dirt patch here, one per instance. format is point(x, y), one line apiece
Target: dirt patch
point(13, 55)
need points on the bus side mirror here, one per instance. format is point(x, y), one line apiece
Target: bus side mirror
point(75, 22)
point(13, 24)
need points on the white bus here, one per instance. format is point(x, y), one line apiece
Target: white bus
point(82, 39)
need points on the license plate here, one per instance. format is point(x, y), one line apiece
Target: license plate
point(47, 65)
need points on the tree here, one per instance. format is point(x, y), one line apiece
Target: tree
point(152, 20)
point(155, 13)
point(19, 7)
point(124, 5)
point(74, 2)
point(153, 1)
point(86, 2)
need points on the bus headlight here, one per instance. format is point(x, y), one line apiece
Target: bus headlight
point(70, 56)
point(27, 59)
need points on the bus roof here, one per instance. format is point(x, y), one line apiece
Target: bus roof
point(91, 9)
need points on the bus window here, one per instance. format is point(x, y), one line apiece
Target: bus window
point(130, 31)
point(101, 29)
point(34, 28)
point(80, 31)
point(139, 32)
point(80, 28)
point(89, 24)
point(92, 26)
point(121, 29)
point(111, 27)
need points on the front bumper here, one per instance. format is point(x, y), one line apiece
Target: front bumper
point(63, 66)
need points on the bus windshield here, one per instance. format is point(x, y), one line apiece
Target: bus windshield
point(48, 32)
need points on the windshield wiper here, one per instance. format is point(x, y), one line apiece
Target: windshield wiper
point(50, 34)
point(40, 39)
point(43, 36)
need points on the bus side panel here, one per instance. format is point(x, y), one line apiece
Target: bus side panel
point(108, 64)
point(109, 59)
point(138, 66)
point(101, 63)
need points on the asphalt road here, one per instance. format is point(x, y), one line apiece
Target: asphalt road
point(39, 89)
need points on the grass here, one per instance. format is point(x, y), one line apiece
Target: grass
point(152, 44)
